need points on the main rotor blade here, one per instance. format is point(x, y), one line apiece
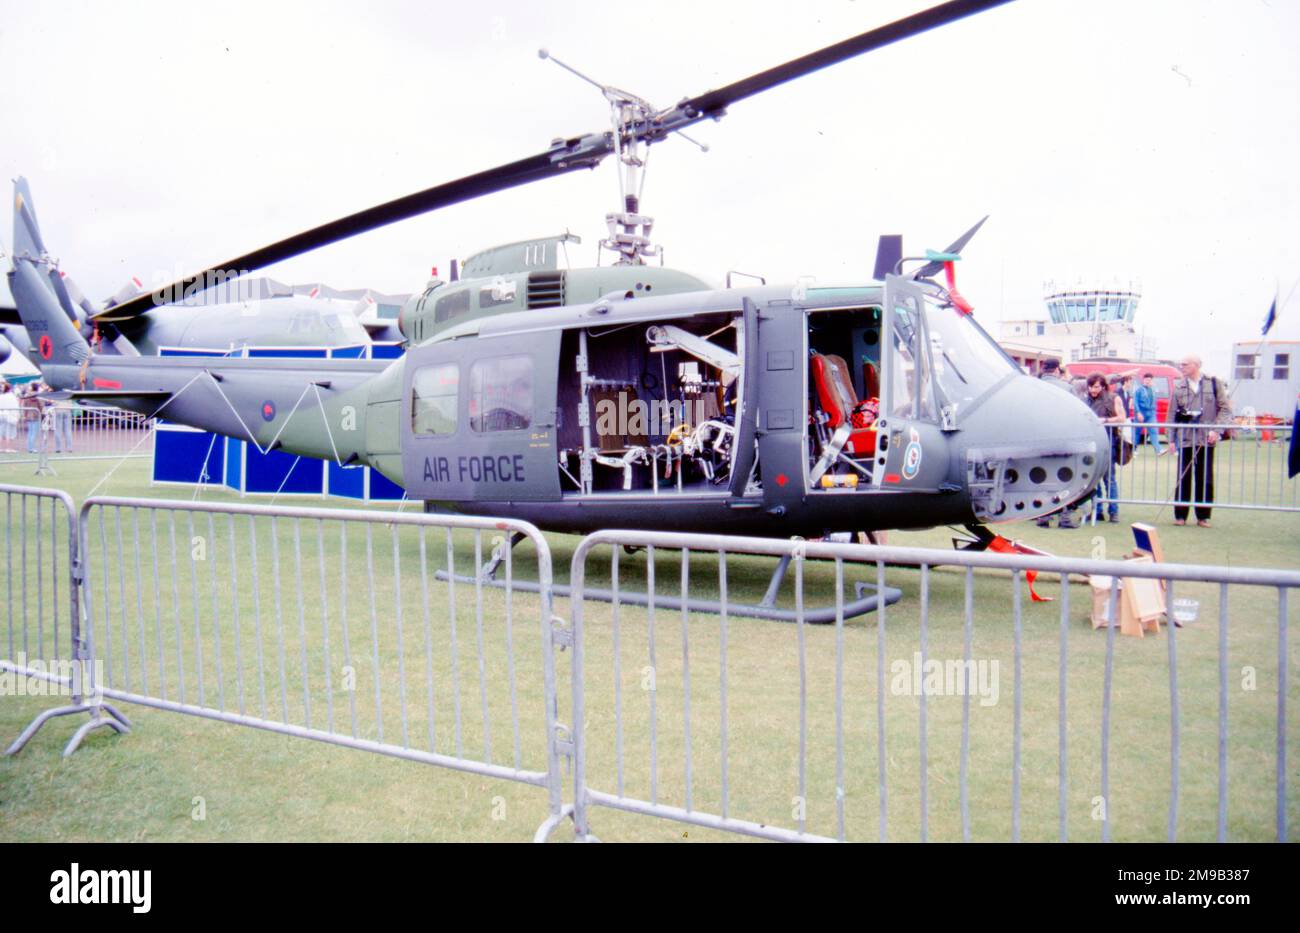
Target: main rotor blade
point(711, 102)
point(564, 156)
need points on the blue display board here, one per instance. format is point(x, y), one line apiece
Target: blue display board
point(346, 481)
point(289, 352)
point(357, 352)
point(381, 487)
point(235, 464)
point(277, 471)
point(181, 456)
point(386, 351)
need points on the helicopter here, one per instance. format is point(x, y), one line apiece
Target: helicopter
point(653, 402)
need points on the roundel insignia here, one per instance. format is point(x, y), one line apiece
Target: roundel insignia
point(268, 410)
point(46, 347)
point(912, 456)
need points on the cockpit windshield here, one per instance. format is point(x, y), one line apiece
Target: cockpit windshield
point(939, 348)
point(966, 361)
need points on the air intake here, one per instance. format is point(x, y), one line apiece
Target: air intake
point(545, 289)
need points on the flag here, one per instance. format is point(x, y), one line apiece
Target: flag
point(1272, 317)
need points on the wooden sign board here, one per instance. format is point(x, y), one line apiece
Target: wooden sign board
point(1140, 601)
point(1146, 539)
point(1143, 601)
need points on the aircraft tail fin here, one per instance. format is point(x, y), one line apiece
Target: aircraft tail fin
point(27, 233)
point(56, 340)
point(51, 307)
point(43, 302)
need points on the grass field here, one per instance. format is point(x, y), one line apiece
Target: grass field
point(174, 620)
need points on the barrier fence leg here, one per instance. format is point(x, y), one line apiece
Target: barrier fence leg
point(561, 740)
point(102, 715)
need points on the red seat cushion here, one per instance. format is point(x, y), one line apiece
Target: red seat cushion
point(840, 402)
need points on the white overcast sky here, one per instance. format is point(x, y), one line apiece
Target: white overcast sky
point(1154, 140)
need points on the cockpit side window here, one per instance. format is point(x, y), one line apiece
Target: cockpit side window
point(501, 394)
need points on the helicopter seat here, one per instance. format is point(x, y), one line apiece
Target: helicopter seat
point(840, 403)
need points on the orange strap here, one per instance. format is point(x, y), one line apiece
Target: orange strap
point(1003, 546)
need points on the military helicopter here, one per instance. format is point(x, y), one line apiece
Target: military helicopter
point(656, 403)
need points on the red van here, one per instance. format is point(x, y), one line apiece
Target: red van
point(1163, 383)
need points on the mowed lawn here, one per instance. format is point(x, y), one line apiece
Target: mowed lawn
point(301, 624)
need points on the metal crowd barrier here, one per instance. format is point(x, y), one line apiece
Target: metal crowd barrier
point(41, 587)
point(329, 625)
point(843, 750)
point(1248, 468)
point(86, 433)
point(379, 631)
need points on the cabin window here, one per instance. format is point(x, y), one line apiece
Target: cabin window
point(501, 394)
point(434, 392)
point(1282, 366)
point(1247, 366)
point(452, 306)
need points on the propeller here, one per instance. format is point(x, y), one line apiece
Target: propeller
point(563, 156)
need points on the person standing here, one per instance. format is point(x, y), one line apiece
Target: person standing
point(62, 414)
point(1120, 387)
point(1144, 407)
point(8, 415)
point(1197, 400)
point(31, 411)
point(1107, 409)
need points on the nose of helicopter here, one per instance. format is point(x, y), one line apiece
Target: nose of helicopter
point(1040, 448)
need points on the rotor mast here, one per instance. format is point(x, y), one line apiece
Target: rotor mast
point(630, 115)
point(629, 229)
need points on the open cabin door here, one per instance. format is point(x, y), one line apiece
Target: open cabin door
point(478, 419)
point(910, 447)
point(782, 403)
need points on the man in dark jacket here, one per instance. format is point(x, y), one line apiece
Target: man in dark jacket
point(1197, 399)
point(1108, 409)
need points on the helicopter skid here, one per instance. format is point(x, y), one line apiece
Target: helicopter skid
point(867, 598)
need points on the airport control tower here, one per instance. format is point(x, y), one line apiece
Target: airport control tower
point(1105, 316)
point(1085, 321)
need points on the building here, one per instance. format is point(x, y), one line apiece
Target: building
point(1265, 377)
point(1081, 323)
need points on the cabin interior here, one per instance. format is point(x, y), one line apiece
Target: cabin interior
point(660, 403)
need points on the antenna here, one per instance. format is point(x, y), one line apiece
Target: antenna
point(629, 229)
